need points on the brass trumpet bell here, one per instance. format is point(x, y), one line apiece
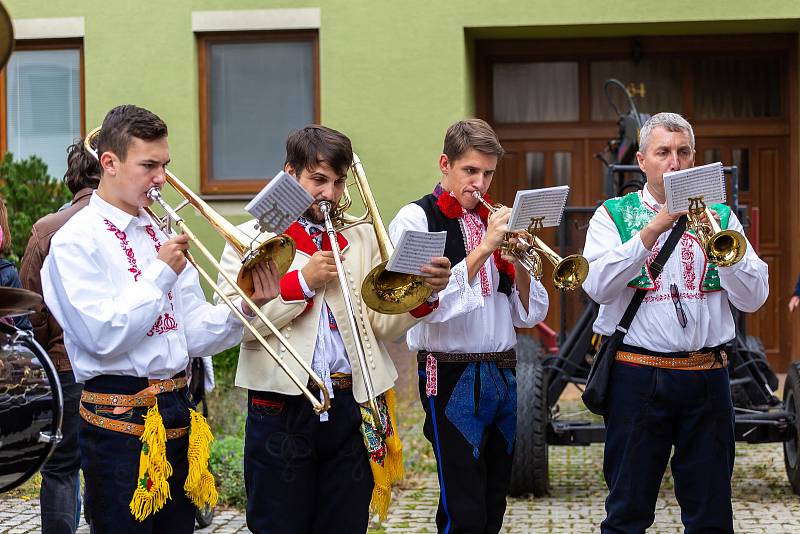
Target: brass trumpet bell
point(722, 247)
point(570, 272)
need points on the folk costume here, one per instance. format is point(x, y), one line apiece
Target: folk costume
point(308, 473)
point(466, 365)
point(669, 384)
point(130, 326)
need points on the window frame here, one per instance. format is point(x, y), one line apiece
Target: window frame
point(29, 45)
point(209, 185)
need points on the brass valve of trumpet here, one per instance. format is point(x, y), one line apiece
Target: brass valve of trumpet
point(723, 247)
point(568, 273)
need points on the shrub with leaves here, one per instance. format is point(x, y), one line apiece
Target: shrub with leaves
point(30, 193)
point(227, 464)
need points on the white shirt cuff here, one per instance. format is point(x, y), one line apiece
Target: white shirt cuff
point(307, 291)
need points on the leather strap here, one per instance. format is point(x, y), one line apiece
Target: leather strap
point(697, 361)
point(146, 397)
point(125, 427)
point(338, 382)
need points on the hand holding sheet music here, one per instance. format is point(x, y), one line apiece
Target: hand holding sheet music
point(547, 202)
point(707, 181)
point(279, 203)
point(415, 249)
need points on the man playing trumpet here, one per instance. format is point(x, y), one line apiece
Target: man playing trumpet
point(466, 350)
point(669, 384)
point(309, 473)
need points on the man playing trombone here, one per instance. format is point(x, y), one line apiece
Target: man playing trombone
point(308, 472)
point(466, 350)
point(133, 313)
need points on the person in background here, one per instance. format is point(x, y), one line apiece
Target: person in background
point(59, 496)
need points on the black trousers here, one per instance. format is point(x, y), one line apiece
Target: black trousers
point(650, 411)
point(471, 423)
point(302, 475)
point(59, 496)
point(110, 463)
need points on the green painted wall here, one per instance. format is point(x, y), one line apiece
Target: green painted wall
point(394, 75)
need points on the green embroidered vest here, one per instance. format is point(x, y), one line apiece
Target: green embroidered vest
point(630, 215)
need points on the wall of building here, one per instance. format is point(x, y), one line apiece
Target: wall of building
point(394, 75)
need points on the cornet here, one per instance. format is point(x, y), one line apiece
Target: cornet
point(220, 224)
point(568, 273)
point(723, 247)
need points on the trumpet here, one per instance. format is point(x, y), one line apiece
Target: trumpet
point(568, 273)
point(723, 247)
point(220, 224)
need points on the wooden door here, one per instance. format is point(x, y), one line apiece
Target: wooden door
point(763, 175)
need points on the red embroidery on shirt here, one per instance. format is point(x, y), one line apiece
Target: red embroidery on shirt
point(687, 261)
point(661, 297)
point(474, 230)
point(651, 259)
point(165, 321)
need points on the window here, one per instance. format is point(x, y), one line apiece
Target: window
point(255, 87)
point(535, 92)
point(43, 102)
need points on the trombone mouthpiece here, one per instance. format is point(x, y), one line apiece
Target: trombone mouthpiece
point(325, 207)
point(153, 193)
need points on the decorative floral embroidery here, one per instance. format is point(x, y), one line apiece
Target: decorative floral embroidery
point(651, 259)
point(661, 297)
point(687, 261)
point(452, 209)
point(165, 321)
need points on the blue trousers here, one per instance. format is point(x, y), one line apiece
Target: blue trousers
point(650, 411)
point(304, 476)
point(110, 463)
point(471, 423)
point(59, 496)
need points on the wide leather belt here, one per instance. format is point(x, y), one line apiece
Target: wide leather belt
point(124, 403)
point(146, 397)
point(339, 382)
point(696, 361)
point(125, 427)
point(505, 359)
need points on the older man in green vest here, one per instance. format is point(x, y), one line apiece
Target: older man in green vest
point(669, 383)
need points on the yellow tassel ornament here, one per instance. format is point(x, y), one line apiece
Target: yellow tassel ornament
point(152, 488)
point(200, 486)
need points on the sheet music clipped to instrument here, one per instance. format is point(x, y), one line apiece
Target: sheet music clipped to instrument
point(279, 203)
point(707, 181)
point(547, 202)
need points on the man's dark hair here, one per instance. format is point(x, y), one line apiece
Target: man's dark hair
point(471, 133)
point(315, 144)
point(122, 124)
point(83, 169)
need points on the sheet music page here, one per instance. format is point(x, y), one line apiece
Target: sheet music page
point(707, 181)
point(547, 202)
point(279, 203)
point(415, 249)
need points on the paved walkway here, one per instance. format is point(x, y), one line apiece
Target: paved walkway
point(763, 502)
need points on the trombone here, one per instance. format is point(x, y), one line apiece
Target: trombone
point(569, 272)
point(383, 291)
point(220, 224)
point(723, 247)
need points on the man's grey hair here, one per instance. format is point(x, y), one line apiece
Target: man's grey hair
point(672, 122)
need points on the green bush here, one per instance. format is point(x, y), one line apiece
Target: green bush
point(227, 464)
point(30, 193)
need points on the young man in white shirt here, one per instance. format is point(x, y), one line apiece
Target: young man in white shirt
point(306, 473)
point(466, 350)
point(133, 313)
point(682, 398)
